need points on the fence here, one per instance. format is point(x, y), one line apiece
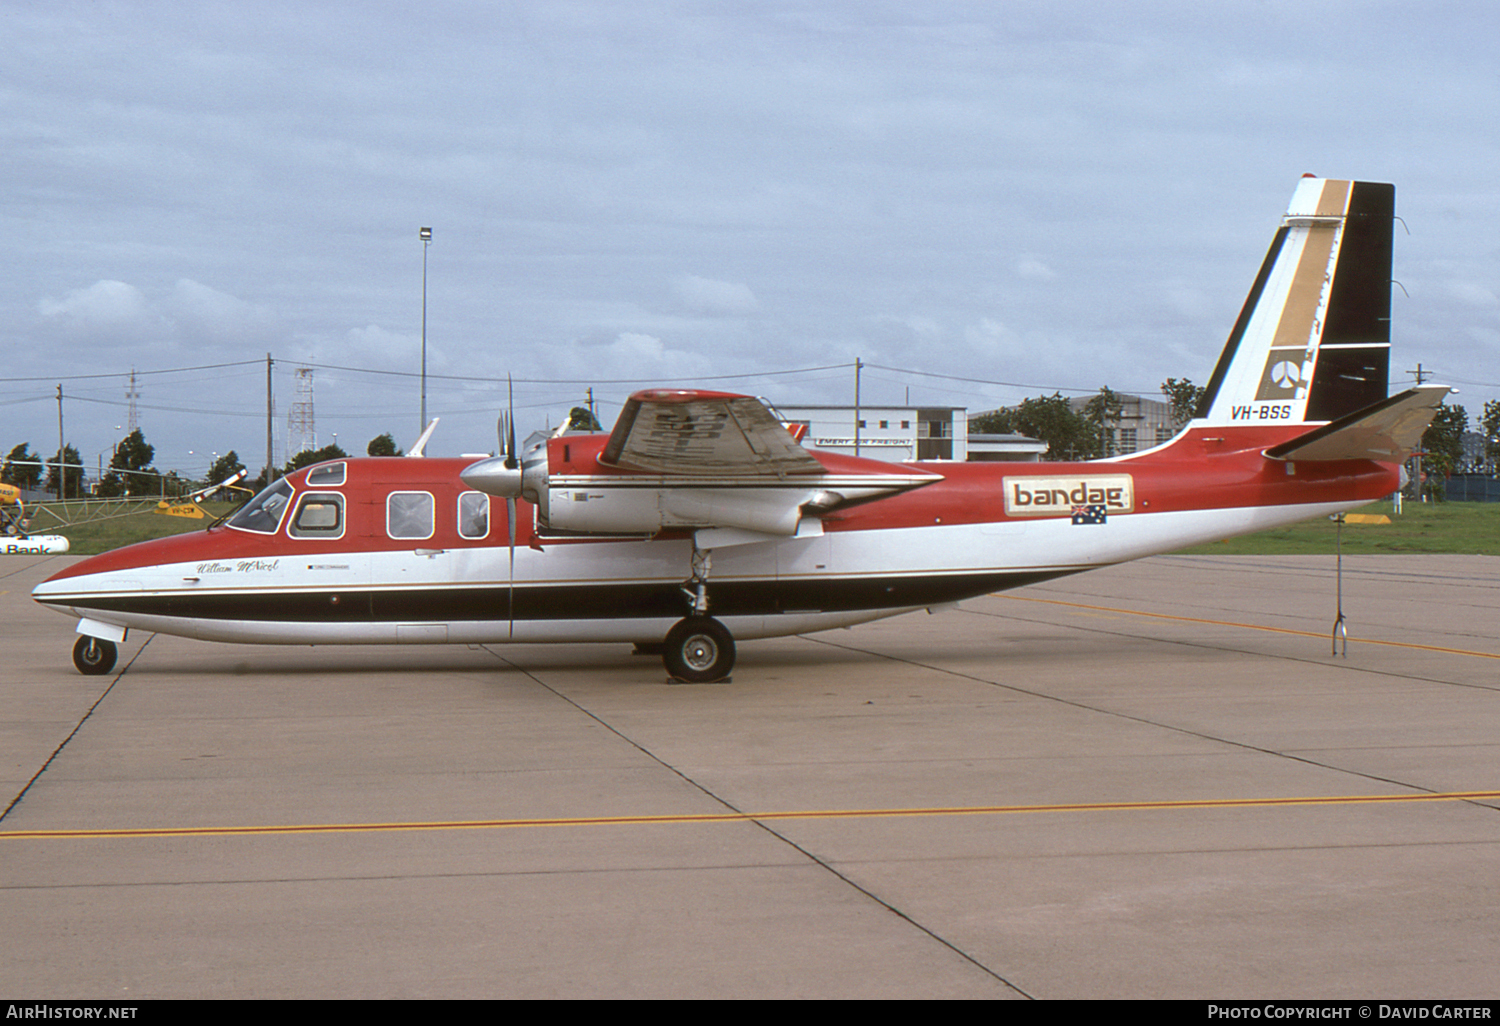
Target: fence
point(1473, 488)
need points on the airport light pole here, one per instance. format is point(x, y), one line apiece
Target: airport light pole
point(61, 472)
point(425, 234)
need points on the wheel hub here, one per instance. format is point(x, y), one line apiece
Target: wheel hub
point(700, 652)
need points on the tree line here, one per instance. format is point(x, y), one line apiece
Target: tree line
point(1070, 434)
point(1088, 433)
point(130, 471)
point(1080, 434)
point(1443, 443)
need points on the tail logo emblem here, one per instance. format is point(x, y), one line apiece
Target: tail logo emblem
point(1286, 374)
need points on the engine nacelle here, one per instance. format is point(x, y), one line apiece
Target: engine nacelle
point(630, 508)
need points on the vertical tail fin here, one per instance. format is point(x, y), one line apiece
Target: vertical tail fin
point(1313, 340)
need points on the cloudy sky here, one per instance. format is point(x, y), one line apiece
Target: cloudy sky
point(981, 200)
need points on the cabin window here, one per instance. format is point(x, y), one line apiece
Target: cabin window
point(473, 515)
point(319, 516)
point(263, 513)
point(409, 515)
point(326, 475)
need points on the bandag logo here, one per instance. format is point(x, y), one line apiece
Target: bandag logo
point(1059, 496)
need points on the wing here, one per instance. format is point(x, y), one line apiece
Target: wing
point(692, 460)
point(695, 433)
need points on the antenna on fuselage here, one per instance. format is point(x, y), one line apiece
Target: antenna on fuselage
point(416, 450)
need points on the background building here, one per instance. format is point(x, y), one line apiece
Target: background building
point(1144, 423)
point(890, 433)
point(1005, 449)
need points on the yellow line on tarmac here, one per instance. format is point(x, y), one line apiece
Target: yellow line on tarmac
point(1250, 626)
point(733, 817)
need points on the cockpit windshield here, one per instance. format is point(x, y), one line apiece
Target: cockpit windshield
point(263, 513)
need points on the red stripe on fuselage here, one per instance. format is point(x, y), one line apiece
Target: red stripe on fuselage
point(367, 482)
point(1213, 468)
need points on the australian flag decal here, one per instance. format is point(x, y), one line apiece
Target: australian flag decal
point(1088, 514)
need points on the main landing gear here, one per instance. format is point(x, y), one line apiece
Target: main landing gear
point(94, 656)
point(698, 649)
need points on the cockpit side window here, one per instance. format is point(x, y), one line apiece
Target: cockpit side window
point(263, 513)
point(319, 515)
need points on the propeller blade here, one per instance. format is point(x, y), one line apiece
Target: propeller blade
point(511, 463)
point(510, 419)
point(510, 517)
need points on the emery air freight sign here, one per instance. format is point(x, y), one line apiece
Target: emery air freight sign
point(1063, 495)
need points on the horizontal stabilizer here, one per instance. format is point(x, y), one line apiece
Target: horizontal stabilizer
point(1388, 431)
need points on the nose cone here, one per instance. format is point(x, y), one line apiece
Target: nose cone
point(493, 477)
point(128, 569)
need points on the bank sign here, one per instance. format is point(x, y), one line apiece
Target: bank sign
point(1036, 496)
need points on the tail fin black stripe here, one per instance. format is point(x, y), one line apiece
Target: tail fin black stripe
point(1353, 369)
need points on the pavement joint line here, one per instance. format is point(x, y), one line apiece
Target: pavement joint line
point(736, 815)
point(744, 817)
point(1250, 626)
point(74, 732)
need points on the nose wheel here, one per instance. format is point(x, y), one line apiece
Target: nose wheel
point(94, 656)
point(699, 650)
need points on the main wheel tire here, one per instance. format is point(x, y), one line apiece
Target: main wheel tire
point(699, 650)
point(94, 656)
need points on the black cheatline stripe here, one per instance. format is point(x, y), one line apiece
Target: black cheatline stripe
point(565, 602)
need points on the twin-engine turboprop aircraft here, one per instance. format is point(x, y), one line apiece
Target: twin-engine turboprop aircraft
point(699, 519)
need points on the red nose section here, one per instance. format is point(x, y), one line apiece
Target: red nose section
point(180, 548)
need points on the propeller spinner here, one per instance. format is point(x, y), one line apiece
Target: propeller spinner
point(500, 476)
point(496, 475)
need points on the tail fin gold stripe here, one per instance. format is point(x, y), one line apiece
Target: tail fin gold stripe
point(1308, 283)
point(1334, 201)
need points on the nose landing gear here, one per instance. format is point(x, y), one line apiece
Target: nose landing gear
point(94, 656)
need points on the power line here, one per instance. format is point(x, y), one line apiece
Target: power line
point(163, 409)
point(581, 381)
point(126, 374)
point(558, 381)
point(1004, 384)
